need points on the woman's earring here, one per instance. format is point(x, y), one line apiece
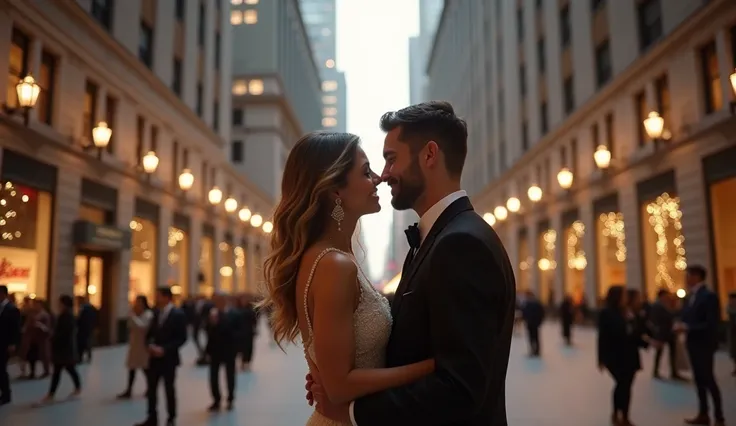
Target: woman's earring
point(338, 213)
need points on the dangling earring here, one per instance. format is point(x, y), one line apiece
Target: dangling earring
point(338, 213)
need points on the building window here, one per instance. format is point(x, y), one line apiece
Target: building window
point(541, 56)
point(216, 116)
point(250, 17)
point(544, 120)
point(524, 137)
point(179, 10)
point(650, 22)
point(139, 141)
point(199, 106)
point(236, 152)
point(733, 45)
point(329, 86)
point(520, 23)
point(711, 78)
point(143, 258)
point(176, 77)
point(610, 137)
point(237, 117)
point(329, 99)
point(603, 63)
point(47, 81)
point(329, 111)
point(90, 109)
point(175, 166)
point(18, 67)
point(662, 89)
point(569, 94)
point(236, 17)
point(640, 105)
point(522, 80)
point(597, 4)
point(145, 45)
point(111, 113)
point(102, 12)
point(200, 28)
point(154, 139)
point(565, 28)
point(329, 122)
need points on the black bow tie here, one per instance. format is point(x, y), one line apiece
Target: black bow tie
point(413, 236)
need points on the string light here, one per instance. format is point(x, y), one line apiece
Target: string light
point(547, 262)
point(613, 229)
point(575, 255)
point(9, 202)
point(665, 217)
point(175, 237)
point(141, 248)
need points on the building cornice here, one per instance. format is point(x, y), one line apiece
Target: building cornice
point(435, 37)
point(676, 38)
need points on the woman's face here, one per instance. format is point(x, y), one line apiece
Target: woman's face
point(359, 196)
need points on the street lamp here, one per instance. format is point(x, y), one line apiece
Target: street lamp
point(186, 180)
point(150, 163)
point(267, 227)
point(602, 157)
point(244, 214)
point(214, 196)
point(231, 205)
point(501, 213)
point(101, 135)
point(565, 178)
point(256, 221)
point(489, 218)
point(513, 204)
point(534, 193)
point(654, 125)
point(27, 91)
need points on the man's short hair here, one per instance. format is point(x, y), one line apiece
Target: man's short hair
point(4, 290)
point(697, 270)
point(165, 291)
point(431, 121)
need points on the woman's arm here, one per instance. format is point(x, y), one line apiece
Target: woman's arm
point(333, 292)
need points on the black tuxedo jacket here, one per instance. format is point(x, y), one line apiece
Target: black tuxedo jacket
point(223, 337)
point(455, 303)
point(9, 329)
point(170, 335)
point(701, 312)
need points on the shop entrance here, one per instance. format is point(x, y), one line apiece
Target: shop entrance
point(92, 280)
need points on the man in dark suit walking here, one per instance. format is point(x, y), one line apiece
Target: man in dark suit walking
point(224, 333)
point(9, 340)
point(167, 333)
point(701, 314)
point(456, 299)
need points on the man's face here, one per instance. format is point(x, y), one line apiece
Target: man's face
point(401, 172)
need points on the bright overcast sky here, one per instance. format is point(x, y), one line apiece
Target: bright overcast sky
point(373, 51)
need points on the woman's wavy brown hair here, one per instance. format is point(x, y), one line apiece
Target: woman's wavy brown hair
point(318, 164)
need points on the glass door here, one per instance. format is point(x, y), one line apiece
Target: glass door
point(88, 276)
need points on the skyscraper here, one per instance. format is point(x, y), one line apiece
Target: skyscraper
point(320, 18)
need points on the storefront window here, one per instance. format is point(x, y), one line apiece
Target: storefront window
point(88, 275)
point(664, 249)
point(178, 261)
point(240, 268)
point(143, 259)
point(723, 204)
point(206, 267)
point(226, 270)
point(525, 261)
point(575, 262)
point(611, 251)
point(547, 265)
point(25, 229)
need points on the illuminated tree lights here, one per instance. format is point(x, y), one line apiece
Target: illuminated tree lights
point(664, 218)
point(547, 262)
point(613, 229)
point(575, 255)
point(11, 199)
point(175, 237)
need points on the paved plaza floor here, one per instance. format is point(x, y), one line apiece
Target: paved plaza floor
point(564, 387)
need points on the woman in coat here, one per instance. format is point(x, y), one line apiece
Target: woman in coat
point(63, 347)
point(138, 323)
point(620, 335)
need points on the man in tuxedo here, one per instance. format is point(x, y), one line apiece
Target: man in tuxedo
point(167, 333)
point(456, 299)
point(224, 333)
point(9, 340)
point(701, 315)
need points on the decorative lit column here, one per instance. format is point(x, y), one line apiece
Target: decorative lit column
point(124, 214)
point(630, 208)
point(588, 217)
point(165, 220)
point(195, 250)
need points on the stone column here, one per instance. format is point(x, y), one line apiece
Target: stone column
point(690, 188)
point(532, 237)
point(217, 257)
point(629, 206)
point(587, 216)
point(165, 219)
point(6, 31)
point(125, 213)
point(560, 247)
point(67, 198)
point(194, 249)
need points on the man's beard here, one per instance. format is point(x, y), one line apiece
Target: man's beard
point(409, 187)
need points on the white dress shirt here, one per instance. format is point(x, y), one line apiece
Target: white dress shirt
point(426, 222)
point(3, 304)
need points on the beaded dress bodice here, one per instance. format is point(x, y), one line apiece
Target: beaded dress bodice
point(372, 327)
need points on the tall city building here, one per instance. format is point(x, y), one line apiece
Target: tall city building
point(320, 17)
point(113, 173)
point(276, 88)
point(601, 137)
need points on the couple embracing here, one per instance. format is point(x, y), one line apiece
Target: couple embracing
point(439, 354)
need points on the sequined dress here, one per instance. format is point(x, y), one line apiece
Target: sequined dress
point(372, 325)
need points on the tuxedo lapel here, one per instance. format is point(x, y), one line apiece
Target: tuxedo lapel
point(405, 284)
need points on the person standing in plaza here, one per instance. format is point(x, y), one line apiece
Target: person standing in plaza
point(168, 333)
point(700, 319)
point(661, 320)
point(137, 358)
point(224, 330)
point(9, 340)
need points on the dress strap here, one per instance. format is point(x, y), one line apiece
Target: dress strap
point(309, 283)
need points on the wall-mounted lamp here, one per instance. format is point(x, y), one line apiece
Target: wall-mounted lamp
point(27, 91)
point(256, 221)
point(565, 178)
point(215, 196)
point(231, 204)
point(186, 180)
point(267, 227)
point(150, 163)
point(500, 213)
point(244, 214)
point(534, 193)
point(602, 157)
